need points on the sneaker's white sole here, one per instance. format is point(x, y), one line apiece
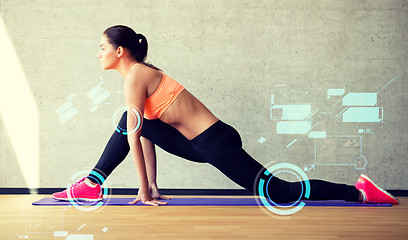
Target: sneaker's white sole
point(78, 199)
point(382, 190)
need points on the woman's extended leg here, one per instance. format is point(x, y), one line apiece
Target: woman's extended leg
point(221, 146)
point(161, 134)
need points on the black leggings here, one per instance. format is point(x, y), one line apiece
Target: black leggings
point(221, 146)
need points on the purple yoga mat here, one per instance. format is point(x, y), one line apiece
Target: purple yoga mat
point(47, 201)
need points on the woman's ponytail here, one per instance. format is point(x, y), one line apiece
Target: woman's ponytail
point(141, 49)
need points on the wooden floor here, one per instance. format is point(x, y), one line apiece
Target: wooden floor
point(20, 220)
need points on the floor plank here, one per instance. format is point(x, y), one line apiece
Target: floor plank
point(19, 220)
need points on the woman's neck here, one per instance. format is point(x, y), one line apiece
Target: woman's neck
point(124, 66)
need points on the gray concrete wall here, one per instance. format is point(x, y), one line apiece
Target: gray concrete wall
point(233, 55)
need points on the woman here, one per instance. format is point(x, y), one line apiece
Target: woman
point(179, 123)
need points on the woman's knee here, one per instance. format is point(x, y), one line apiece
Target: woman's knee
point(279, 191)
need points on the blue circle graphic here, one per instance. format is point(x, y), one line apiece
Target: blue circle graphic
point(264, 195)
point(137, 116)
point(269, 198)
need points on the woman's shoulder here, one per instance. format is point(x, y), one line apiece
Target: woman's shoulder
point(140, 72)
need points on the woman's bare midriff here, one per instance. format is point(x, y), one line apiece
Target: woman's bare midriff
point(188, 115)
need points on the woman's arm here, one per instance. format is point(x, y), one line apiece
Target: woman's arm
point(138, 159)
point(135, 91)
point(149, 154)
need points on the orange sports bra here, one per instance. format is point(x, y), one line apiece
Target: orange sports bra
point(167, 92)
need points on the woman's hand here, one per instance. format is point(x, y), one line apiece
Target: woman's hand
point(147, 199)
point(154, 190)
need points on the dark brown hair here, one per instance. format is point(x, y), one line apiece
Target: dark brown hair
point(136, 43)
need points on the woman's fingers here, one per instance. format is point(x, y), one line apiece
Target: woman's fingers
point(161, 202)
point(164, 197)
point(134, 201)
point(155, 202)
point(151, 203)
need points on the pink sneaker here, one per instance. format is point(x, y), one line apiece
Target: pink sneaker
point(373, 193)
point(80, 191)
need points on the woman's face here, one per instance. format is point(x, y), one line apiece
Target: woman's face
point(107, 55)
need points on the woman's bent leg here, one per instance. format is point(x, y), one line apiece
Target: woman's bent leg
point(221, 146)
point(160, 133)
point(114, 153)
